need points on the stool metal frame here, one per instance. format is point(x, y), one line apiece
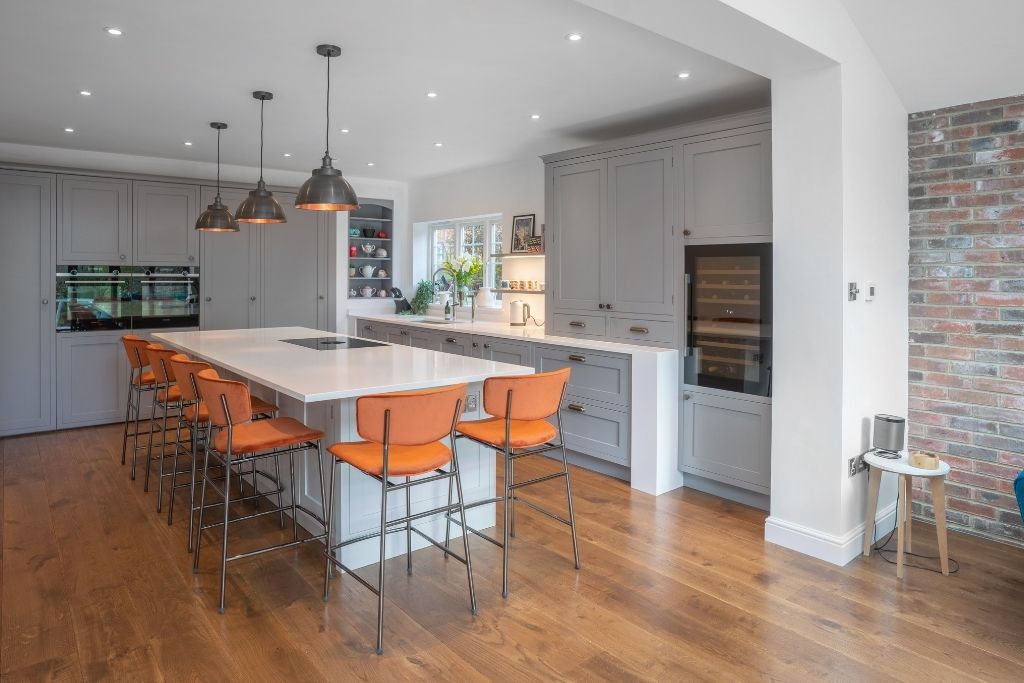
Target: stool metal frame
point(133, 409)
point(165, 405)
point(388, 526)
point(509, 497)
point(227, 459)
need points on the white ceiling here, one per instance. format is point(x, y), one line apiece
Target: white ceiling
point(940, 53)
point(180, 65)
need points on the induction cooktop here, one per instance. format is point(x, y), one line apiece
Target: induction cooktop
point(333, 343)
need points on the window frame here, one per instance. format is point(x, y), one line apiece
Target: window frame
point(491, 222)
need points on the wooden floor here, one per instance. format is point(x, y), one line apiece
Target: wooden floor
point(96, 586)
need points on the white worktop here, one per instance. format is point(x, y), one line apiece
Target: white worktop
point(530, 333)
point(309, 375)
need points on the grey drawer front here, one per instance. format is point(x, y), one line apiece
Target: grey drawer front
point(637, 330)
point(576, 324)
point(595, 430)
point(595, 376)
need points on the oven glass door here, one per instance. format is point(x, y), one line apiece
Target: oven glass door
point(168, 297)
point(93, 298)
point(729, 316)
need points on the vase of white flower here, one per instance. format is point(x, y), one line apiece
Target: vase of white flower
point(463, 271)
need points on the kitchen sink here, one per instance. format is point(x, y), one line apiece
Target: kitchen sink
point(438, 322)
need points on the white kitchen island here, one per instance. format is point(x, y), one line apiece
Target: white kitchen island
point(320, 386)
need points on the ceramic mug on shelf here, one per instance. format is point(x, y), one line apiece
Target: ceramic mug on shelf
point(381, 253)
point(354, 232)
point(381, 234)
point(369, 232)
point(383, 294)
point(353, 292)
point(351, 271)
point(382, 273)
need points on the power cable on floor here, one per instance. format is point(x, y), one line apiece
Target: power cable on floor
point(880, 549)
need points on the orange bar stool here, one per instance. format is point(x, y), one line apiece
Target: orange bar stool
point(402, 433)
point(518, 427)
point(235, 439)
point(168, 397)
point(140, 379)
point(196, 419)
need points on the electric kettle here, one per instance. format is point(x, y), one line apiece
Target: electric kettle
point(518, 313)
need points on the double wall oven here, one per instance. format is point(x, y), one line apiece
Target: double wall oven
point(98, 298)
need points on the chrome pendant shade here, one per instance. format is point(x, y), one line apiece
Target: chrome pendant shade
point(217, 217)
point(260, 206)
point(327, 189)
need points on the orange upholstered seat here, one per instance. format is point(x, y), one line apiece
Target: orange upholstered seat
point(147, 377)
point(172, 394)
point(522, 433)
point(262, 435)
point(403, 461)
point(259, 407)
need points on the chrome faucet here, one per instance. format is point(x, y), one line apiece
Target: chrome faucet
point(454, 295)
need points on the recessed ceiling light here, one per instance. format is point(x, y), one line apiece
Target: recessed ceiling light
point(69, 130)
point(683, 75)
point(369, 163)
point(534, 116)
point(114, 31)
point(188, 143)
point(287, 154)
point(344, 130)
point(438, 144)
point(431, 94)
point(574, 37)
point(84, 93)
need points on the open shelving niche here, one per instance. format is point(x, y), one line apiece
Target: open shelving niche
point(375, 215)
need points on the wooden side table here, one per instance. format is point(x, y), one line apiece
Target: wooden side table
point(902, 468)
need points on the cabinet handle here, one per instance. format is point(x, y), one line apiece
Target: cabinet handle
point(601, 306)
point(404, 333)
point(252, 298)
point(577, 357)
point(450, 340)
point(368, 328)
point(640, 330)
point(576, 408)
point(209, 299)
point(123, 257)
point(321, 297)
point(46, 302)
point(686, 233)
point(687, 397)
point(607, 307)
point(577, 323)
point(475, 345)
point(487, 346)
point(191, 258)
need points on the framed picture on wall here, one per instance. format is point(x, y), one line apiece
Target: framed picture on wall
point(522, 231)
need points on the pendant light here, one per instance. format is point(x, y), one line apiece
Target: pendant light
point(217, 217)
point(327, 190)
point(260, 206)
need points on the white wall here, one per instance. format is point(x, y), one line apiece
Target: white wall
point(839, 174)
point(511, 189)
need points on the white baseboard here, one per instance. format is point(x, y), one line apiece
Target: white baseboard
point(838, 550)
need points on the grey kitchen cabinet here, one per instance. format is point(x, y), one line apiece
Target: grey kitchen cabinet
point(294, 268)
point(595, 376)
point(28, 224)
point(371, 330)
point(165, 217)
point(726, 439)
point(93, 373)
point(504, 351)
point(638, 275)
point(94, 219)
point(396, 335)
point(727, 187)
point(595, 430)
point(230, 271)
point(577, 218)
point(420, 338)
point(454, 342)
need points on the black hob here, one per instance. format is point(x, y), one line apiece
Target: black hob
point(333, 343)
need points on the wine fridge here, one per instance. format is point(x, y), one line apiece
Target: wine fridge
point(728, 332)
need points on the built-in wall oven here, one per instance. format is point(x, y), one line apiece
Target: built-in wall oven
point(729, 317)
point(97, 298)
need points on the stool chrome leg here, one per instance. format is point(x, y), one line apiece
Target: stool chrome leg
point(328, 550)
point(465, 533)
point(568, 496)
point(202, 505)
point(127, 417)
point(512, 500)
point(295, 516)
point(507, 499)
point(408, 529)
point(149, 447)
point(448, 517)
point(227, 511)
point(192, 483)
point(380, 567)
point(280, 489)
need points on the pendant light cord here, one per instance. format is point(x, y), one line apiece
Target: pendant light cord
point(327, 133)
point(262, 102)
point(218, 163)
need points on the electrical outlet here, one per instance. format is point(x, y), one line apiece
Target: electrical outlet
point(856, 465)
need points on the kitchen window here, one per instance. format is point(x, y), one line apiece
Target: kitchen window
point(478, 236)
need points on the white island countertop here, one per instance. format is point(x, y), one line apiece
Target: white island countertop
point(529, 333)
point(309, 375)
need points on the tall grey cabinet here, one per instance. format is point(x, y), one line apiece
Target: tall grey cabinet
point(28, 231)
point(95, 220)
point(230, 271)
point(165, 217)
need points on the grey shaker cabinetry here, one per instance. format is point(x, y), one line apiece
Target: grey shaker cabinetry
point(727, 187)
point(93, 373)
point(28, 226)
point(94, 217)
point(165, 217)
point(577, 251)
point(294, 269)
point(505, 351)
point(726, 439)
point(230, 271)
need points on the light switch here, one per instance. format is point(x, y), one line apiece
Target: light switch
point(869, 291)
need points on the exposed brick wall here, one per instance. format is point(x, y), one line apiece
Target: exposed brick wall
point(967, 308)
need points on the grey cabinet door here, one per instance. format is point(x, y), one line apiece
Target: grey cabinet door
point(368, 329)
point(27, 307)
point(639, 248)
point(294, 273)
point(397, 335)
point(577, 218)
point(422, 339)
point(94, 218)
point(93, 375)
point(165, 218)
point(726, 439)
point(229, 275)
point(595, 430)
point(505, 351)
point(454, 342)
point(727, 187)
